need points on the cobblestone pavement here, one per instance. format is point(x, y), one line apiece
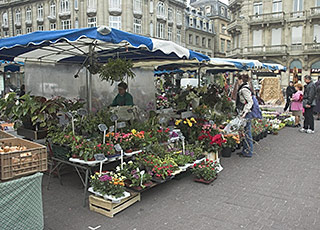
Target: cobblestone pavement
point(279, 188)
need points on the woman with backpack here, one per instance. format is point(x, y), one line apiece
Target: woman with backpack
point(244, 104)
point(296, 104)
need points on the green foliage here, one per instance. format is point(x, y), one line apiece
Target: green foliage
point(116, 70)
point(206, 170)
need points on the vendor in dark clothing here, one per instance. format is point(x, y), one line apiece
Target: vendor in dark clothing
point(123, 98)
point(289, 92)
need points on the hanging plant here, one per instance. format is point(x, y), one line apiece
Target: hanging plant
point(116, 70)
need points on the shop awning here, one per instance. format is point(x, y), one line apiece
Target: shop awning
point(76, 46)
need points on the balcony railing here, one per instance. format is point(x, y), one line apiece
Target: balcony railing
point(115, 9)
point(28, 22)
point(64, 14)
point(17, 24)
point(266, 50)
point(161, 17)
point(5, 25)
point(296, 47)
point(312, 47)
point(315, 11)
point(234, 2)
point(235, 25)
point(52, 18)
point(297, 16)
point(137, 12)
point(267, 18)
point(91, 12)
point(276, 49)
point(236, 51)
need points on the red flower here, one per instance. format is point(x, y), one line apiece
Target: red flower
point(159, 131)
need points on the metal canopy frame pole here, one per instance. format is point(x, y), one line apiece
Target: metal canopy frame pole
point(89, 80)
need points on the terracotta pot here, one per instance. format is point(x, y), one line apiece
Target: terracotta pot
point(204, 181)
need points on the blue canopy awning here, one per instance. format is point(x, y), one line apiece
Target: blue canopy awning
point(76, 45)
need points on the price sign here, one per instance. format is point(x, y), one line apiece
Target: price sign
point(162, 120)
point(121, 125)
point(99, 157)
point(102, 127)
point(114, 117)
point(82, 112)
point(211, 122)
point(118, 148)
point(111, 129)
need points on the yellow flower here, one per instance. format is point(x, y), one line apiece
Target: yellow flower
point(178, 122)
point(189, 122)
point(133, 131)
point(193, 120)
point(185, 122)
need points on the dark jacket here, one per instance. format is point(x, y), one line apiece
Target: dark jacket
point(309, 95)
point(290, 91)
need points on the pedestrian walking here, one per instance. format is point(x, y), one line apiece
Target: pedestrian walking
point(317, 107)
point(244, 104)
point(289, 92)
point(296, 104)
point(309, 101)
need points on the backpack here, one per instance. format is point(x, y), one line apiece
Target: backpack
point(318, 92)
point(255, 109)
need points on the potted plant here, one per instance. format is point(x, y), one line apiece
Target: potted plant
point(205, 172)
point(228, 146)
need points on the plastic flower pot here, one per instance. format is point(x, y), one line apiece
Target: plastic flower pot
point(226, 152)
point(200, 180)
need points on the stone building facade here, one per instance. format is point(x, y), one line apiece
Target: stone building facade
point(217, 12)
point(162, 19)
point(286, 32)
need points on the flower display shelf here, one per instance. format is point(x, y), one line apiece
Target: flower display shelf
point(160, 180)
point(139, 189)
point(83, 162)
point(132, 153)
point(113, 158)
point(185, 167)
point(207, 182)
point(109, 209)
point(108, 197)
point(199, 161)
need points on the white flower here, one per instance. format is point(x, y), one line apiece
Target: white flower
point(17, 102)
point(117, 168)
point(138, 170)
point(130, 162)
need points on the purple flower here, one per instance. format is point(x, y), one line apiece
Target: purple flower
point(105, 178)
point(174, 134)
point(136, 176)
point(133, 171)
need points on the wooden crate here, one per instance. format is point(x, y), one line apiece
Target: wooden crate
point(109, 209)
point(20, 163)
point(31, 134)
point(4, 135)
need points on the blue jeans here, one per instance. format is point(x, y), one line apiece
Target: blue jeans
point(248, 143)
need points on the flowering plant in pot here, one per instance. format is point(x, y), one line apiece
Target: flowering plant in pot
point(80, 147)
point(212, 143)
point(206, 171)
point(189, 128)
point(107, 149)
point(108, 183)
point(164, 169)
point(135, 177)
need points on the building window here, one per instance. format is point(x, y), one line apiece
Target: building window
point(296, 35)
point(76, 23)
point(115, 22)
point(40, 27)
point(179, 17)
point(92, 22)
point(222, 46)
point(5, 33)
point(203, 42)
point(18, 15)
point(18, 32)
point(276, 36)
point(178, 40)
point(28, 14)
point(137, 26)
point(316, 33)
point(228, 45)
point(5, 19)
point(151, 29)
point(53, 26)
point(170, 14)
point(64, 6)
point(137, 5)
point(53, 9)
point(190, 39)
point(257, 38)
point(257, 8)
point(170, 33)
point(190, 21)
point(92, 4)
point(197, 40)
point(222, 11)
point(29, 30)
point(160, 30)
point(209, 43)
point(151, 7)
point(277, 6)
point(76, 4)
point(40, 12)
point(317, 3)
point(66, 24)
point(114, 4)
point(297, 5)
point(160, 9)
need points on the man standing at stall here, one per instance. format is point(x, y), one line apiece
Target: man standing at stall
point(309, 101)
point(123, 98)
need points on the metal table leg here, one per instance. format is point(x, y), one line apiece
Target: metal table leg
point(85, 187)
